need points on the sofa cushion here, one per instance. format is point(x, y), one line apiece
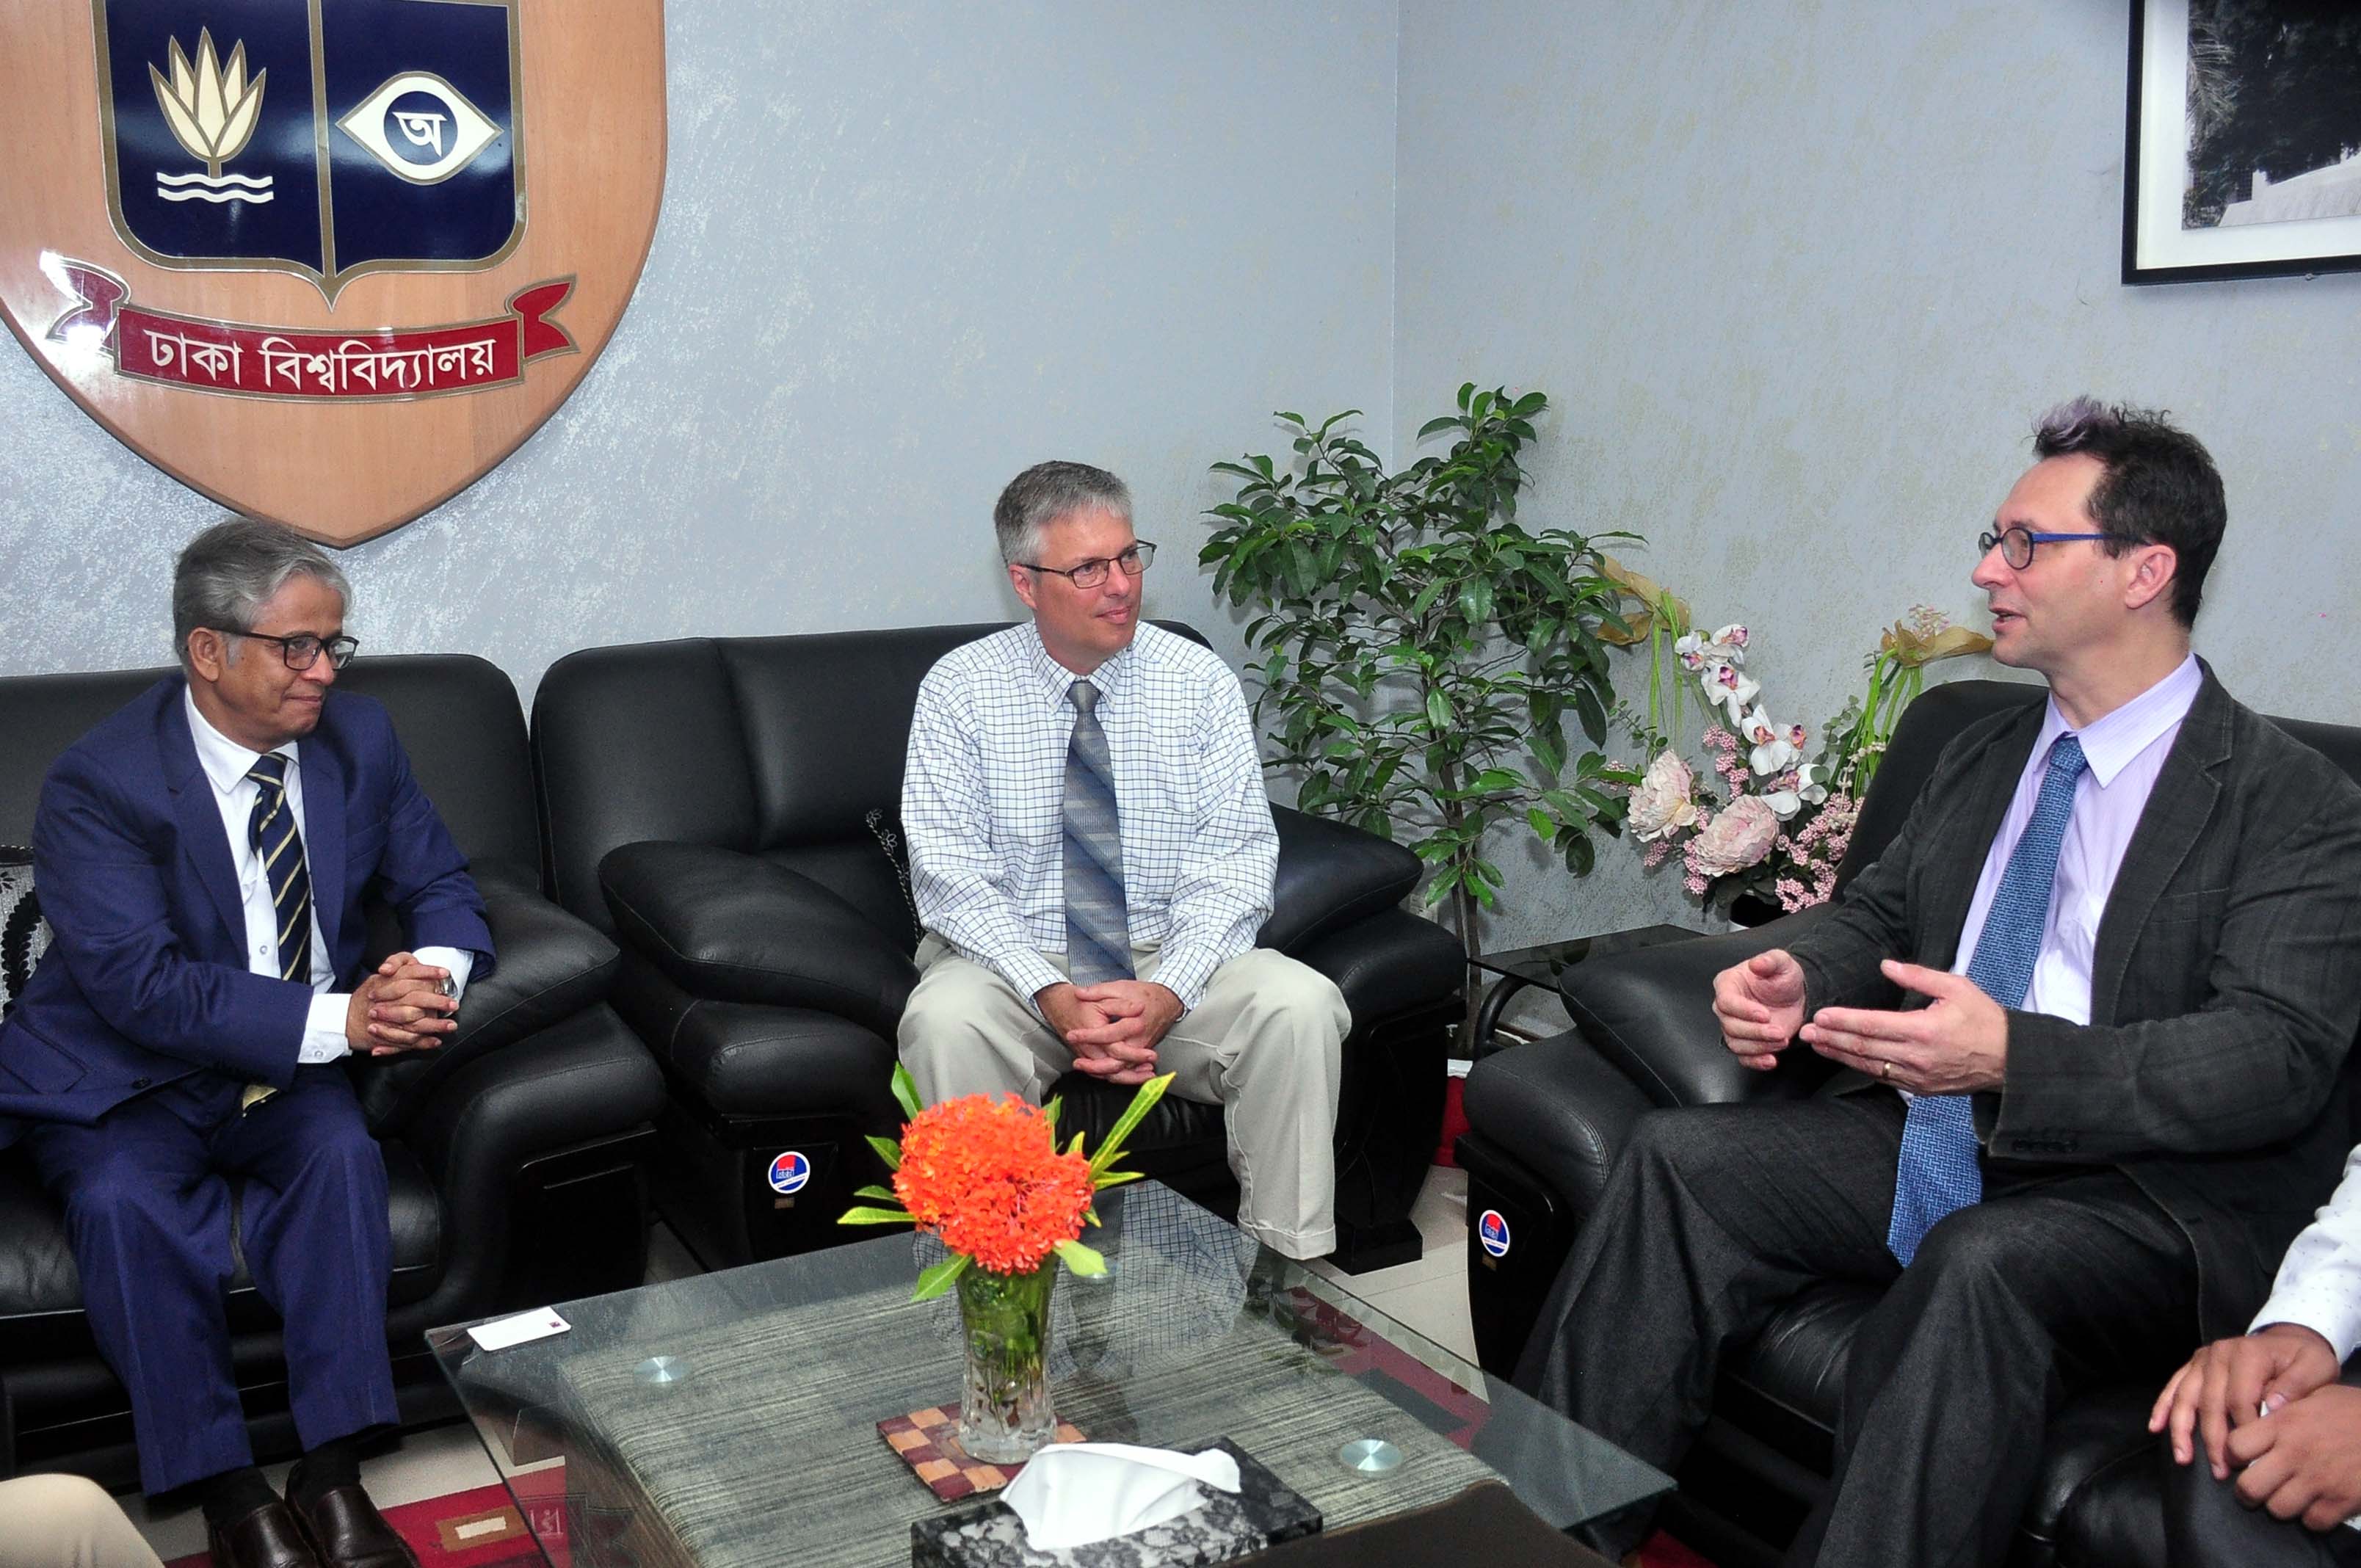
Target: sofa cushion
point(24, 935)
point(736, 927)
point(38, 1277)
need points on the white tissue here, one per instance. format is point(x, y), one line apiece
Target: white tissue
point(1071, 1494)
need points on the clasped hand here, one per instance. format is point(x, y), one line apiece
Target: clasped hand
point(1955, 1045)
point(1113, 1026)
point(400, 1008)
point(2268, 1404)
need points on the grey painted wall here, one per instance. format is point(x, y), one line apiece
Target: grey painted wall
point(905, 250)
point(1795, 274)
point(1798, 276)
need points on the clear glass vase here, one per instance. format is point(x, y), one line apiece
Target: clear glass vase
point(1005, 1409)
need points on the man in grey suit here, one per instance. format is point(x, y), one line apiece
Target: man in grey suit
point(2095, 994)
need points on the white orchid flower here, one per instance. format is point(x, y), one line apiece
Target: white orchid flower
point(1733, 637)
point(1773, 754)
point(1689, 649)
point(1729, 689)
point(1812, 783)
point(1784, 803)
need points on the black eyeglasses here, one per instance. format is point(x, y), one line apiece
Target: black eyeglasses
point(303, 650)
point(2017, 544)
point(1091, 574)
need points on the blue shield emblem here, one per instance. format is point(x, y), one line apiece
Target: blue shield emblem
point(328, 139)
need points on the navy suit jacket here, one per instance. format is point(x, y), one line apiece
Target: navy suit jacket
point(146, 978)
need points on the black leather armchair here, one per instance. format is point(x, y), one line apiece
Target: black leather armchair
point(1547, 1120)
point(513, 1152)
point(729, 809)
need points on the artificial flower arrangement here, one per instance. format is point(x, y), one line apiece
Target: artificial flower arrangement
point(1773, 819)
point(986, 1177)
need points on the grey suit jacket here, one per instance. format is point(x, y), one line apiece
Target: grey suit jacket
point(2225, 993)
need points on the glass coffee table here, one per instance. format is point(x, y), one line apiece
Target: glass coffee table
point(729, 1420)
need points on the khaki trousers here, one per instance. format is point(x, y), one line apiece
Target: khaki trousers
point(65, 1521)
point(1264, 1043)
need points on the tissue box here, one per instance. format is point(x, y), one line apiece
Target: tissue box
point(1264, 1512)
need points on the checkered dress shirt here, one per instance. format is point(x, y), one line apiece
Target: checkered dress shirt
point(982, 795)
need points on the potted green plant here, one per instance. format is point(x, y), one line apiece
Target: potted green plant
point(1420, 649)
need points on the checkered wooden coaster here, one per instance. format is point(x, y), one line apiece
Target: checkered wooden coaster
point(928, 1441)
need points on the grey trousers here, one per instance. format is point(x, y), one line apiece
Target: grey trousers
point(66, 1522)
point(1716, 1216)
point(1264, 1043)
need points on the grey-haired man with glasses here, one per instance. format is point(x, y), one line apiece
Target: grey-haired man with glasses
point(2095, 995)
point(201, 857)
point(1091, 852)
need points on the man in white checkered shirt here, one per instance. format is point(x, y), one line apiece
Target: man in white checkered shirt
point(1091, 866)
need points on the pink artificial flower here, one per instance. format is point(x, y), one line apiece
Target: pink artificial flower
point(1737, 837)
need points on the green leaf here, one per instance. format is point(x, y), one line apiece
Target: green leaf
point(1438, 709)
point(1083, 1260)
point(887, 1150)
point(933, 1282)
point(1117, 1179)
point(1141, 1104)
point(905, 1090)
point(1430, 426)
point(1541, 825)
point(1050, 1114)
point(886, 1194)
point(1594, 717)
point(868, 1216)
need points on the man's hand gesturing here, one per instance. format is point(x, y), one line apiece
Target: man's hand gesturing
point(1760, 1006)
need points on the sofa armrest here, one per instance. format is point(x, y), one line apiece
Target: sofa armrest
point(585, 1078)
point(1650, 1013)
point(727, 927)
point(1561, 1110)
point(1331, 876)
point(551, 966)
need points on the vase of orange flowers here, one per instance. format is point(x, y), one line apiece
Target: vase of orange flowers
point(987, 1178)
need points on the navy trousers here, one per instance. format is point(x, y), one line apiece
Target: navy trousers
point(148, 1205)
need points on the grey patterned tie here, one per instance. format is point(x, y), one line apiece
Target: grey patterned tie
point(1098, 927)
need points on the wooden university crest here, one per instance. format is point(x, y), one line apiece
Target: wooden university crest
point(328, 261)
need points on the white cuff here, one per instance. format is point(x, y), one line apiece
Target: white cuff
point(458, 960)
point(324, 1031)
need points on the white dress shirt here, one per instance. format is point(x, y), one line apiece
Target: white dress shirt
point(227, 764)
point(2125, 750)
point(983, 805)
point(2319, 1283)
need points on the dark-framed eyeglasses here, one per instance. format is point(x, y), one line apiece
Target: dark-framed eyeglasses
point(2017, 544)
point(303, 650)
point(1091, 574)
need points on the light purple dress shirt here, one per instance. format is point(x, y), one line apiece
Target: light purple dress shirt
point(2125, 750)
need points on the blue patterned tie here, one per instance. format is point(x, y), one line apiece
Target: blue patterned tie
point(1098, 929)
point(280, 850)
point(1938, 1172)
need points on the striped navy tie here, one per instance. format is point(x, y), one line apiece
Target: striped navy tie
point(1098, 925)
point(280, 850)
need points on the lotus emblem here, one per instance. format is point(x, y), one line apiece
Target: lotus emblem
point(212, 109)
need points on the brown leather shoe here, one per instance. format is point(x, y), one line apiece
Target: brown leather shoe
point(345, 1531)
point(266, 1538)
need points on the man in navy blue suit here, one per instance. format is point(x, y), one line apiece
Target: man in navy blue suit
point(202, 857)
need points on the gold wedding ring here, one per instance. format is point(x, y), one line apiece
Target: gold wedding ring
point(1886, 1068)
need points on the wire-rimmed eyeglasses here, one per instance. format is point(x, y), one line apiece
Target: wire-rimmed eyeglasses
point(1091, 574)
point(2017, 544)
point(303, 650)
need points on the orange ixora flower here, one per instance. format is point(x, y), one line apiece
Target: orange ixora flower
point(987, 1176)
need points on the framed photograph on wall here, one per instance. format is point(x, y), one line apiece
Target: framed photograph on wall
point(2242, 154)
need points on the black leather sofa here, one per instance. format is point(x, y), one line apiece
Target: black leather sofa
point(515, 1152)
point(1547, 1118)
point(729, 808)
